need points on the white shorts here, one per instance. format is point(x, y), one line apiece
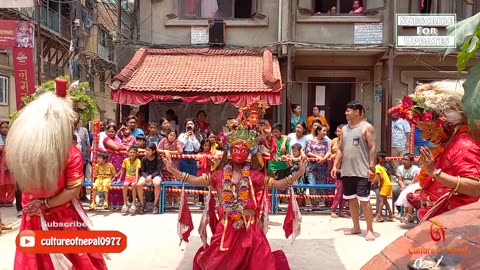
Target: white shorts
point(155, 179)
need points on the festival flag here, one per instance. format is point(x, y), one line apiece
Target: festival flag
point(212, 216)
point(293, 219)
point(185, 223)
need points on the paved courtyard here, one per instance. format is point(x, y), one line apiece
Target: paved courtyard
point(153, 242)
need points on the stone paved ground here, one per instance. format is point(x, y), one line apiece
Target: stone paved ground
point(153, 242)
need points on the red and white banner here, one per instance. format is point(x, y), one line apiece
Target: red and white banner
point(18, 3)
point(24, 73)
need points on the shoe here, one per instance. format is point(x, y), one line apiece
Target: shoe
point(105, 205)
point(6, 227)
point(378, 220)
point(392, 219)
point(407, 218)
point(133, 209)
point(19, 214)
point(333, 215)
point(141, 209)
point(124, 208)
point(92, 206)
point(155, 210)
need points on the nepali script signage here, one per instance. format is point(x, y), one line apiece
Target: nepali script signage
point(19, 36)
point(424, 31)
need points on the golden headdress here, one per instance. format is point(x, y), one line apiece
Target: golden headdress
point(244, 128)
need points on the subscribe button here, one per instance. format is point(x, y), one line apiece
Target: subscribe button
point(71, 242)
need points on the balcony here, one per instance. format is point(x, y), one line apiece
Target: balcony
point(104, 52)
point(52, 20)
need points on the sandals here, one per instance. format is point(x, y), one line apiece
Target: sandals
point(407, 218)
point(378, 220)
point(155, 210)
point(141, 209)
point(392, 219)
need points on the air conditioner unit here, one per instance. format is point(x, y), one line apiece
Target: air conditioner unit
point(216, 32)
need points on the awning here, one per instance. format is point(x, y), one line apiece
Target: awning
point(200, 75)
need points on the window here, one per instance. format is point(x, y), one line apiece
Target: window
point(3, 90)
point(214, 9)
point(343, 7)
point(463, 9)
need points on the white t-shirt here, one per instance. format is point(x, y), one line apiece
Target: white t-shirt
point(407, 174)
point(292, 139)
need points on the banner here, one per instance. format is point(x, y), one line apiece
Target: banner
point(16, 34)
point(18, 3)
point(23, 69)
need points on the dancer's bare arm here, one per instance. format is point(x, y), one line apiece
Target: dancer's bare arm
point(285, 182)
point(191, 179)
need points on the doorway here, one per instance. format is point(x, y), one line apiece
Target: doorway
point(332, 95)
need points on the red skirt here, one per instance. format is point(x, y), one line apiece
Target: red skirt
point(248, 250)
point(63, 213)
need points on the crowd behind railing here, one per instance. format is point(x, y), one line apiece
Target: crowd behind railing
point(129, 155)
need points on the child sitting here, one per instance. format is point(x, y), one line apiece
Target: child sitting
point(104, 172)
point(385, 187)
point(128, 139)
point(152, 136)
point(130, 168)
point(141, 142)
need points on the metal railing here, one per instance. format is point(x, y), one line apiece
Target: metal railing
point(52, 20)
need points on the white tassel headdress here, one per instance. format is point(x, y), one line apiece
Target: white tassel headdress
point(39, 141)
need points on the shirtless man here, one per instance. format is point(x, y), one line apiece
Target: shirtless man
point(355, 159)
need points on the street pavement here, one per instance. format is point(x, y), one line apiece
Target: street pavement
point(153, 243)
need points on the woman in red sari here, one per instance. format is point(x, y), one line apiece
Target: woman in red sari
point(450, 173)
point(238, 240)
point(50, 173)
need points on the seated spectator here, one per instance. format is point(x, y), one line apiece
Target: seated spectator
point(104, 173)
point(153, 136)
point(151, 168)
point(141, 142)
point(356, 7)
point(127, 138)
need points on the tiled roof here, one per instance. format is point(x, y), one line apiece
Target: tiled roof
point(201, 70)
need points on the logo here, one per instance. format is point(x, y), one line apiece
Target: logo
point(22, 58)
point(26, 239)
point(437, 232)
point(424, 30)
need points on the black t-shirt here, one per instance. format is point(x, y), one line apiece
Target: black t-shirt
point(152, 167)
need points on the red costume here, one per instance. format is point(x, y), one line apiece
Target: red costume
point(71, 212)
point(238, 222)
point(461, 157)
point(243, 248)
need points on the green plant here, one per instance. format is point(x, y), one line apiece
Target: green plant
point(467, 39)
point(83, 103)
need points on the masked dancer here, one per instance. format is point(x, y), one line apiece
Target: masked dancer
point(238, 240)
point(49, 170)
